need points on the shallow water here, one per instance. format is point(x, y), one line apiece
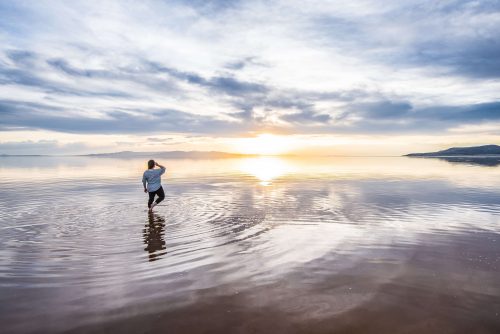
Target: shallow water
point(271, 245)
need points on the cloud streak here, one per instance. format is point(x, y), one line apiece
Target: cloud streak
point(219, 68)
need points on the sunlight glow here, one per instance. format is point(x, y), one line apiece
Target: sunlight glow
point(264, 144)
point(265, 169)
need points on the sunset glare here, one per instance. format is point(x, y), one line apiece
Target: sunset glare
point(264, 144)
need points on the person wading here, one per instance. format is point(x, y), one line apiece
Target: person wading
point(151, 180)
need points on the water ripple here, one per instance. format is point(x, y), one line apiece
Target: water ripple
point(89, 241)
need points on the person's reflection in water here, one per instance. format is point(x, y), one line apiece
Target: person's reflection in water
point(154, 233)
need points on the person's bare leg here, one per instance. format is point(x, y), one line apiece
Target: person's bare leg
point(152, 206)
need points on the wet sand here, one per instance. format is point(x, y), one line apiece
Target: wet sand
point(435, 291)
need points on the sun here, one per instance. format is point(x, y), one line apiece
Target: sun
point(264, 144)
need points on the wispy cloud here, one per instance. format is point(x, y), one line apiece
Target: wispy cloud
point(41, 147)
point(226, 68)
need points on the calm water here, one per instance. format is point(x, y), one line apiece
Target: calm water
point(266, 245)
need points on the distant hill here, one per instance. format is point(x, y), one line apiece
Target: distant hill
point(21, 155)
point(461, 151)
point(170, 155)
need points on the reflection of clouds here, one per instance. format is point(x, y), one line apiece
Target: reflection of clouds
point(266, 169)
point(223, 228)
point(382, 201)
point(479, 161)
point(307, 219)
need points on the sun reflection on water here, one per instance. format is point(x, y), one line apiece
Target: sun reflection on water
point(266, 169)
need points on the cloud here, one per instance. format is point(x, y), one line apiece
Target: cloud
point(64, 66)
point(219, 84)
point(21, 57)
point(30, 116)
point(159, 140)
point(30, 147)
point(30, 73)
point(307, 117)
point(381, 117)
point(226, 68)
point(402, 117)
point(456, 38)
point(240, 64)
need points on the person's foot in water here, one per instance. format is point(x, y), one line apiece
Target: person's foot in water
point(152, 206)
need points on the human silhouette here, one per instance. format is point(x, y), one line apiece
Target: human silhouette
point(151, 180)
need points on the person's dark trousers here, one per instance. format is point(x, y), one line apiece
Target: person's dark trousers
point(161, 196)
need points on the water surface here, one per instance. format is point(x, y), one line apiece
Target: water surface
point(275, 245)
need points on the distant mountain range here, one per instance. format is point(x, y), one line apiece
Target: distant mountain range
point(170, 155)
point(462, 151)
point(152, 155)
point(21, 155)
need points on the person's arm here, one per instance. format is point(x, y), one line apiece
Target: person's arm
point(162, 168)
point(144, 182)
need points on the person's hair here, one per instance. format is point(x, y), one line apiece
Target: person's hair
point(151, 164)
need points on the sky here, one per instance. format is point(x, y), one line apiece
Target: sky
point(309, 77)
